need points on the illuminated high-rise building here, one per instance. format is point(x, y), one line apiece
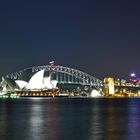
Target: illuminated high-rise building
point(110, 85)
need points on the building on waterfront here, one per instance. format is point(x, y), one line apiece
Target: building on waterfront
point(38, 85)
point(109, 85)
point(120, 87)
point(120, 82)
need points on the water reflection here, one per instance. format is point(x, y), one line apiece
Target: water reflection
point(35, 121)
point(74, 119)
point(44, 120)
point(109, 119)
point(3, 121)
point(14, 120)
point(110, 122)
point(70, 119)
point(97, 123)
point(134, 119)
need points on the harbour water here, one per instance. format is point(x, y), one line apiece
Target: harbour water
point(70, 119)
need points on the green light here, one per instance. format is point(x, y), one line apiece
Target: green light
point(4, 97)
point(11, 96)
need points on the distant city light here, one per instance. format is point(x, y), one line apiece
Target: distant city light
point(133, 75)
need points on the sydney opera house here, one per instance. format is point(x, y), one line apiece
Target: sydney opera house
point(38, 85)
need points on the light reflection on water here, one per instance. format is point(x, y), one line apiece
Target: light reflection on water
point(134, 120)
point(70, 119)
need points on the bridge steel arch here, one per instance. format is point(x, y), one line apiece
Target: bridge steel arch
point(64, 75)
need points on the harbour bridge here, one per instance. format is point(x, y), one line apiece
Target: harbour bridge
point(64, 75)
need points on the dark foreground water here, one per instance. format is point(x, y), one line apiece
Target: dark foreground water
point(70, 119)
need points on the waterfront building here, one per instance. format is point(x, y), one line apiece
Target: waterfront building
point(120, 82)
point(38, 85)
point(109, 85)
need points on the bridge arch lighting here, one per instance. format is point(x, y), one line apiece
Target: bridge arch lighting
point(64, 75)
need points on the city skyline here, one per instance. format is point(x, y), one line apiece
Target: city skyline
point(99, 38)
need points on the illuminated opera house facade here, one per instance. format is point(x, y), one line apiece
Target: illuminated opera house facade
point(37, 85)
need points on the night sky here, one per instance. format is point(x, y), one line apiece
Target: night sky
point(100, 37)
